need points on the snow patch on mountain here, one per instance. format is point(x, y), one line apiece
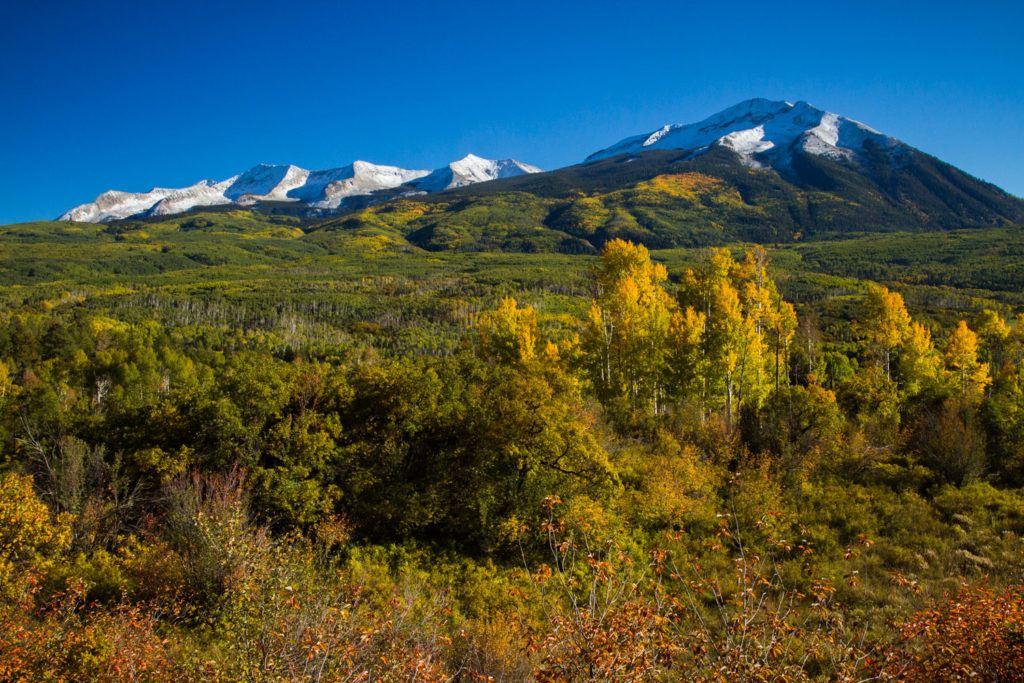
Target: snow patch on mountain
point(319, 190)
point(762, 132)
point(268, 182)
point(116, 203)
point(328, 189)
point(204, 193)
point(472, 169)
point(325, 189)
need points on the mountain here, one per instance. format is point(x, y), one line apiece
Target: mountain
point(761, 170)
point(472, 169)
point(765, 133)
point(313, 191)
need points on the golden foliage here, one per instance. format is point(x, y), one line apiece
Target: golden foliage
point(509, 333)
point(689, 186)
point(962, 359)
point(27, 529)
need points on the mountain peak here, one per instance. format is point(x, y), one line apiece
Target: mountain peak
point(756, 106)
point(763, 133)
point(472, 169)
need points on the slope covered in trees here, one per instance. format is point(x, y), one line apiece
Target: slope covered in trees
point(815, 196)
point(235, 450)
point(665, 201)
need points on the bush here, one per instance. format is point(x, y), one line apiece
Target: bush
point(975, 633)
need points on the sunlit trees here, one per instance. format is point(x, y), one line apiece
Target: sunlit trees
point(28, 531)
point(722, 345)
point(627, 327)
point(921, 365)
point(687, 364)
point(1002, 346)
point(949, 436)
point(774, 318)
point(962, 358)
point(731, 339)
point(885, 325)
point(902, 363)
point(940, 391)
point(995, 339)
point(508, 334)
point(5, 381)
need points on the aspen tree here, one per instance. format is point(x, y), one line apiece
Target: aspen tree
point(962, 360)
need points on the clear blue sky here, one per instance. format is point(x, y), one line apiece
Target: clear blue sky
point(127, 95)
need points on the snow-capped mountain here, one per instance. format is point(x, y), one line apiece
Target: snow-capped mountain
point(798, 169)
point(763, 133)
point(328, 189)
point(792, 169)
point(318, 190)
point(471, 169)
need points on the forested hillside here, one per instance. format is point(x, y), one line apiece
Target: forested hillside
point(423, 442)
point(666, 199)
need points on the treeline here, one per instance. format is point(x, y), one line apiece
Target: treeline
point(690, 481)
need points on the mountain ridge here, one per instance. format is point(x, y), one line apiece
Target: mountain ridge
point(761, 170)
point(319, 190)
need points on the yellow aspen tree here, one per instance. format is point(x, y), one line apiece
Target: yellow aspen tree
point(28, 530)
point(704, 290)
point(921, 363)
point(756, 288)
point(774, 318)
point(770, 325)
point(1015, 343)
point(885, 325)
point(627, 326)
point(699, 284)
point(686, 357)
point(726, 342)
point(994, 335)
point(782, 324)
point(509, 333)
point(962, 360)
point(747, 327)
point(5, 381)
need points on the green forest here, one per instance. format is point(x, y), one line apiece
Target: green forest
point(501, 439)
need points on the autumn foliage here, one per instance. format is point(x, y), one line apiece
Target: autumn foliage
point(977, 633)
point(684, 477)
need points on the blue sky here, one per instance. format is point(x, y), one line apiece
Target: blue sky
point(129, 95)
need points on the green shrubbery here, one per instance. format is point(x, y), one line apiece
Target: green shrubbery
point(381, 463)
